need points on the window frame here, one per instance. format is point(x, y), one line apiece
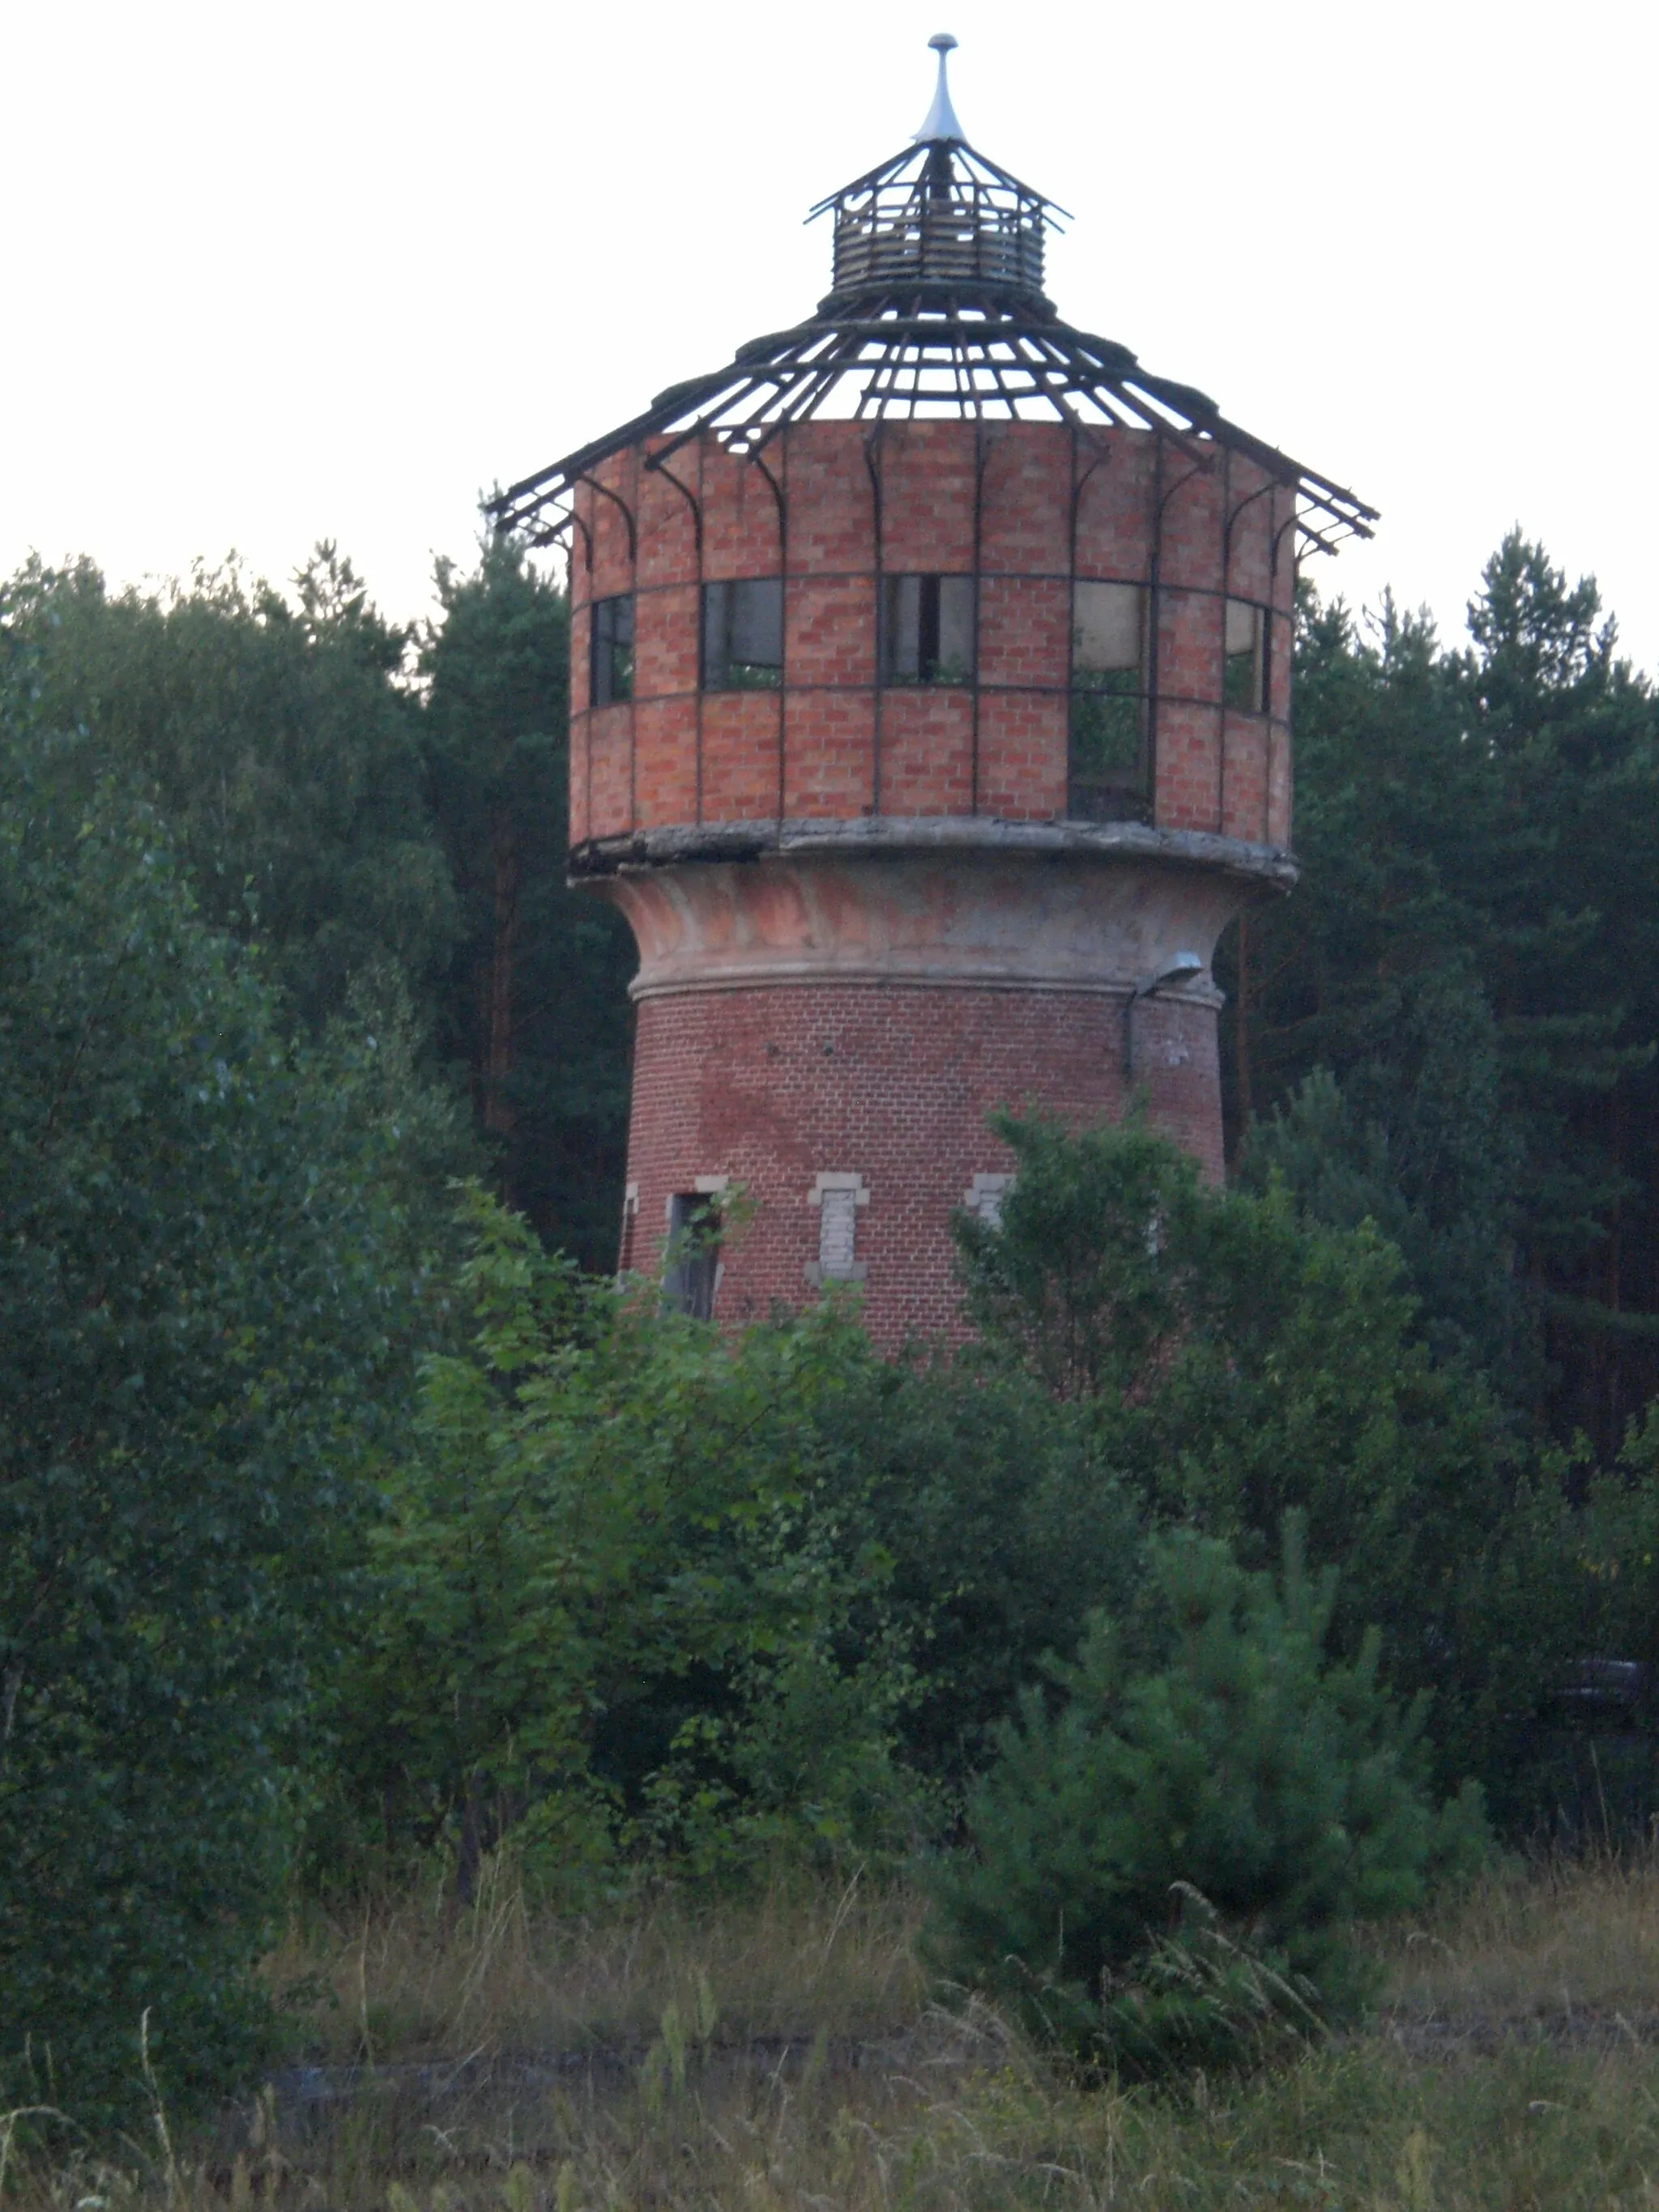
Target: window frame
point(604, 646)
point(1254, 694)
point(692, 1275)
point(933, 672)
point(721, 595)
point(1127, 796)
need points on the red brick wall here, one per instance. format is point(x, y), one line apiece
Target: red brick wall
point(773, 1086)
point(1026, 505)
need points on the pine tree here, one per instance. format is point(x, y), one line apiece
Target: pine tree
point(1480, 825)
point(1167, 1868)
point(536, 1004)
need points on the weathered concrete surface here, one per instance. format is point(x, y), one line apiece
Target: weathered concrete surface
point(1056, 913)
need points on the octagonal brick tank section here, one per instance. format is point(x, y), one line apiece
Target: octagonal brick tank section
point(1027, 509)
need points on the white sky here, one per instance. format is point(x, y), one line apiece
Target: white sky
point(273, 274)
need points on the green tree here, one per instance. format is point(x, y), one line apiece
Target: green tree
point(1415, 1140)
point(1005, 1522)
point(281, 745)
point(536, 1004)
point(1240, 1361)
point(609, 1588)
point(1207, 1754)
point(207, 1297)
point(1483, 821)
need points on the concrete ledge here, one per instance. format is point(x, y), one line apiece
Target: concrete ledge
point(1268, 867)
point(934, 975)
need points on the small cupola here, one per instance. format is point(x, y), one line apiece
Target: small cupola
point(938, 222)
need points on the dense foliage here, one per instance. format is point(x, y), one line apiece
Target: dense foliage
point(1470, 958)
point(611, 1590)
point(277, 745)
point(1236, 1361)
point(380, 813)
point(355, 1520)
point(1004, 1521)
point(534, 1004)
point(1175, 1858)
point(208, 1295)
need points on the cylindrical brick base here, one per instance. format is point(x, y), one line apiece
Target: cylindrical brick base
point(771, 1089)
point(826, 1024)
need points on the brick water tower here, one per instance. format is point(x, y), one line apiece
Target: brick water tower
point(930, 718)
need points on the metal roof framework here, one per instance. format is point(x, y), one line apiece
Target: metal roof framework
point(938, 312)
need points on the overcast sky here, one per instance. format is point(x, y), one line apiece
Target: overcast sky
point(276, 274)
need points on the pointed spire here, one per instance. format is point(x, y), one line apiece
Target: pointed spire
point(941, 127)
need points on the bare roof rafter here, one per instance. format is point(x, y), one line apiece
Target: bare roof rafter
point(937, 312)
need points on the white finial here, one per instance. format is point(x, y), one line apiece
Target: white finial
point(941, 125)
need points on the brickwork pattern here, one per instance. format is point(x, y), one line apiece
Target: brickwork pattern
point(1025, 507)
point(774, 1087)
point(778, 1085)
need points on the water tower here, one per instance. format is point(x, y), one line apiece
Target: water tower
point(930, 718)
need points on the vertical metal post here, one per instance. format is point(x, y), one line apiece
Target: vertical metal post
point(1221, 695)
point(780, 501)
point(1284, 529)
point(982, 458)
point(872, 463)
point(702, 441)
point(1080, 485)
point(1154, 625)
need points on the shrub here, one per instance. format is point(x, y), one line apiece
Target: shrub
point(1238, 1362)
point(612, 1589)
point(1006, 1524)
point(1617, 1544)
point(204, 1296)
point(1176, 1856)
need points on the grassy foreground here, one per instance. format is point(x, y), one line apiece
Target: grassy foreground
point(786, 2054)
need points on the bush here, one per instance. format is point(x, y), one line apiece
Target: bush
point(1173, 1861)
point(1617, 1545)
point(206, 1296)
point(612, 1590)
point(1005, 1525)
point(1239, 1362)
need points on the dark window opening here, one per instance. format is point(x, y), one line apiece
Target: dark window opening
point(743, 635)
point(1244, 674)
point(612, 672)
point(1109, 762)
point(694, 1255)
point(927, 629)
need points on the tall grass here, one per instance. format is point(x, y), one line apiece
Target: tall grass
point(1556, 1937)
point(411, 1978)
point(783, 2054)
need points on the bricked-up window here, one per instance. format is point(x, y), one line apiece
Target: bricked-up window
point(1244, 675)
point(612, 660)
point(984, 1197)
point(838, 1197)
point(743, 635)
point(927, 630)
point(838, 1226)
point(694, 1255)
point(1109, 767)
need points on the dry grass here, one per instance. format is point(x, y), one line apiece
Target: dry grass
point(415, 1980)
point(860, 2098)
point(1541, 1941)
